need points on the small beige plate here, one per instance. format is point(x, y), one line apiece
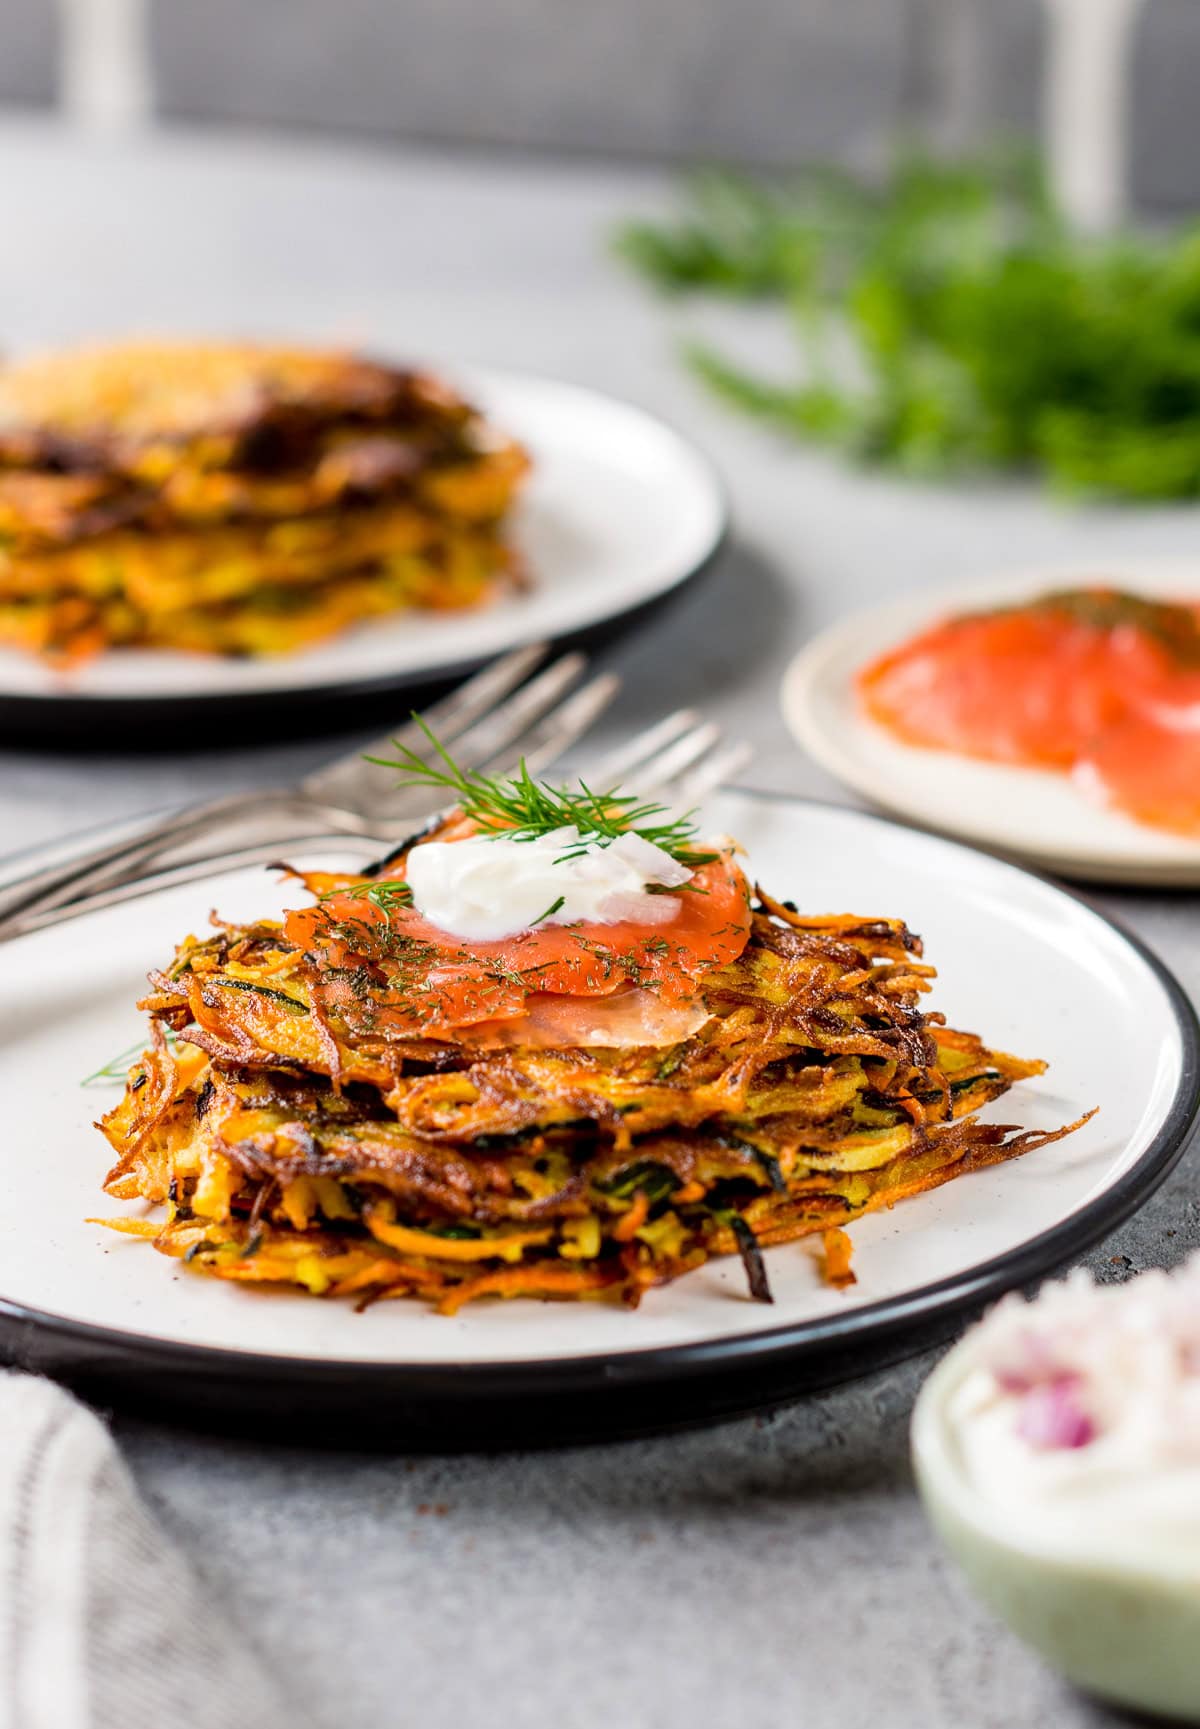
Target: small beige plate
point(1037, 816)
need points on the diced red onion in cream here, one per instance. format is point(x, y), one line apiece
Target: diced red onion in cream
point(1080, 1414)
point(1052, 1415)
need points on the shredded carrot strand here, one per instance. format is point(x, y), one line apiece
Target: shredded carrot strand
point(532, 1281)
point(837, 1249)
point(634, 1219)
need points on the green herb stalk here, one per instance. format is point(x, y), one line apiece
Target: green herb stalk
point(522, 808)
point(982, 333)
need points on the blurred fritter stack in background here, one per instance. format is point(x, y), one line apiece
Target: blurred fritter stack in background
point(238, 500)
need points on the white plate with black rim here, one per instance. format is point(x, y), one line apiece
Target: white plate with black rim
point(618, 511)
point(1023, 962)
point(1032, 814)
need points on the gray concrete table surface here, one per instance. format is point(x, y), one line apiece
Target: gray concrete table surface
point(776, 1569)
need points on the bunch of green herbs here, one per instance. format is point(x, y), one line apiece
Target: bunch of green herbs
point(950, 320)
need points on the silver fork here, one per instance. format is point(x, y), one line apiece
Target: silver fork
point(680, 760)
point(486, 719)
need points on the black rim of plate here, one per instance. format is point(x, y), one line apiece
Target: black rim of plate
point(917, 1314)
point(58, 712)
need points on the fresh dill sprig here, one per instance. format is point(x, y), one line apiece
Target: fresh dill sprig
point(385, 895)
point(523, 808)
point(116, 1068)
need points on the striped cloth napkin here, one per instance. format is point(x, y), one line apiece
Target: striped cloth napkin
point(102, 1623)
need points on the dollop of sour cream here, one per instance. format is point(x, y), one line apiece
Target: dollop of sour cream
point(492, 886)
point(1080, 1417)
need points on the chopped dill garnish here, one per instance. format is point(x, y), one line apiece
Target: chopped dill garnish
point(384, 895)
point(523, 808)
point(550, 911)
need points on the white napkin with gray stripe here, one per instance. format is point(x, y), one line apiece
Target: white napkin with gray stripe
point(102, 1623)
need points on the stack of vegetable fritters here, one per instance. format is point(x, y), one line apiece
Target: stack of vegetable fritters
point(238, 500)
point(297, 1133)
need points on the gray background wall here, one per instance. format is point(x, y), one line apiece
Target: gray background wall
point(27, 51)
point(768, 81)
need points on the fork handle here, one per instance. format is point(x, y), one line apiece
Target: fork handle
point(54, 885)
point(172, 876)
